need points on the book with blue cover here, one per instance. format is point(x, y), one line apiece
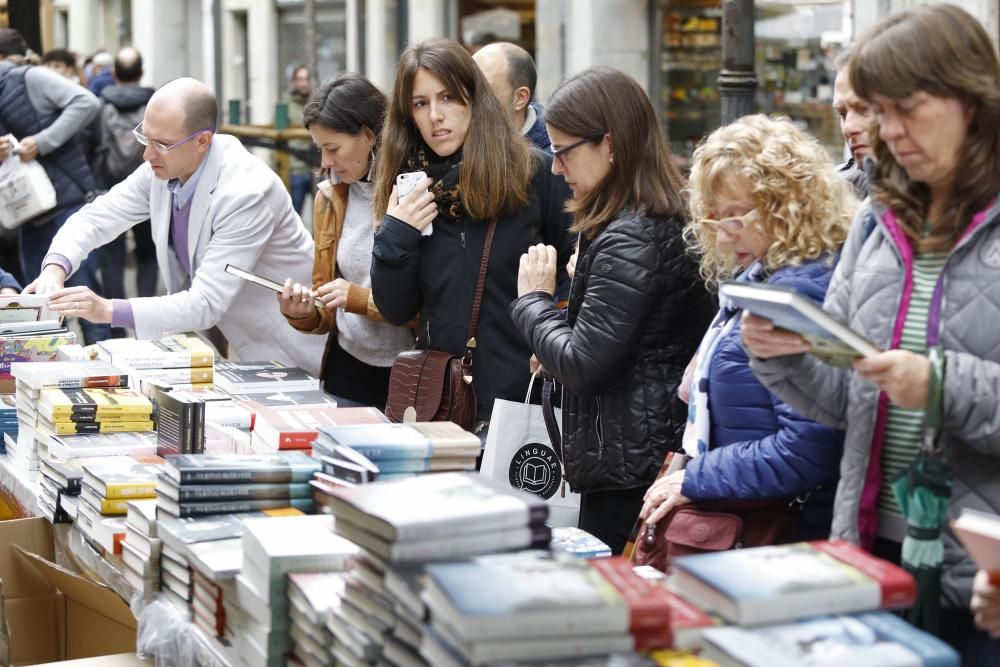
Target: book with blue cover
point(874, 639)
point(778, 583)
point(417, 441)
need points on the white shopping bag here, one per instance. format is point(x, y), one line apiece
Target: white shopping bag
point(519, 453)
point(25, 189)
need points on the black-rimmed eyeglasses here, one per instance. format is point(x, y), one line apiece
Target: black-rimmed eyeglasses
point(563, 152)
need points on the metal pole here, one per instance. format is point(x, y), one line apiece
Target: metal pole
point(309, 18)
point(737, 80)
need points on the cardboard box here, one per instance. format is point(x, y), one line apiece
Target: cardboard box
point(54, 614)
point(118, 660)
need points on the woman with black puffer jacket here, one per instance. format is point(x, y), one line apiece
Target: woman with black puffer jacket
point(637, 306)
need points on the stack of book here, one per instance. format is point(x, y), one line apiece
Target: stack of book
point(278, 427)
point(8, 420)
point(402, 450)
point(202, 484)
point(578, 543)
point(181, 417)
point(104, 494)
point(32, 379)
point(91, 411)
point(529, 606)
point(273, 549)
point(311, 598)
point(141, 548)
point(400, 525)
point(214, 566)
point(435, 517)
point(29, 348)
point(267, 377)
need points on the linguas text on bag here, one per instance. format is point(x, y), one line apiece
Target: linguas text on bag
point(25, 189)
point(519, 453)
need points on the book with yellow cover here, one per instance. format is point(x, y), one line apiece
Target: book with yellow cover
point(63, 404)
point(106, 506)
point(128, 479)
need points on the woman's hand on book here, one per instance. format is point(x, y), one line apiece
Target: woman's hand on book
point(986, 602)
point(904, 376)
point(83, 303)
point(765, 341)
point(417, 209)
point(296, 301)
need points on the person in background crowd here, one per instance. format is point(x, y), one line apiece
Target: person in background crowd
point(917, 277)
point(8, 284)
point(63, 62)
point(986, 603)
point(123, 105)
point(856, 119)
point(510, 71)
point(636, 308)
point(443, 119)
point(46, 112)
point(344, 117)
point(211, 203)
point(478, 39)
point(766, 207)
point(101, 72)
point(301, 171)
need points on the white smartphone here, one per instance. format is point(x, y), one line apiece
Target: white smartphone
point(405, 183)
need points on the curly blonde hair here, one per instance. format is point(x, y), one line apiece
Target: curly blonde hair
point(804, 207)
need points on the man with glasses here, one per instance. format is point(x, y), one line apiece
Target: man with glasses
point(210, 203)
point(47, 113)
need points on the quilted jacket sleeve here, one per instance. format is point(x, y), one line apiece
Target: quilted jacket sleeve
point(395, 269)
point(971, 388)
point(799, 379)
point(588, 357)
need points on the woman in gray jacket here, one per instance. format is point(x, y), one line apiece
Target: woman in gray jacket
point(919, 277)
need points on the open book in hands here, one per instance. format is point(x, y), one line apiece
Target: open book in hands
point(831, 340)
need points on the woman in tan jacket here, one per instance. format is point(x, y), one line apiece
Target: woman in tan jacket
point(344, 117)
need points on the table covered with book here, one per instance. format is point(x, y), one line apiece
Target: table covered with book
point(247, 520)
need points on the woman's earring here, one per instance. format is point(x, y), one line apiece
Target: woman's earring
point(611, 159)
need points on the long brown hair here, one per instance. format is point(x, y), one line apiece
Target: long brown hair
point(943, 51)
point(497, 164)
point(603, 100)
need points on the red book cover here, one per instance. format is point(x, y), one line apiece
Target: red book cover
point(649, 606)
point(898, 587)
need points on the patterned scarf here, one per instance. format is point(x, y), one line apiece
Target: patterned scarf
point(445, 172)
point(697, 433)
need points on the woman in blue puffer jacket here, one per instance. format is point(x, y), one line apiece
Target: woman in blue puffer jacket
point(767, 207)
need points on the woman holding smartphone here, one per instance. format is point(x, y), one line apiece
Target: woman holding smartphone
point(344, 117)
point(444, 120)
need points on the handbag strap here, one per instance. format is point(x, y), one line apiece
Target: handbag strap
point(549, 415)
point(477, 302)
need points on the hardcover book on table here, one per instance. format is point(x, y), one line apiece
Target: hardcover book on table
point(62, 404)
point(250, 377)
point(418, 441)
point(167, 352)
point(873, 639)
point(831, 341)
point(778, 583)
point(280, 468)
point(979, 533)
point(69, 374)
point(204, 508)
point(102, 444)
point(123, 479)
point(433, 506)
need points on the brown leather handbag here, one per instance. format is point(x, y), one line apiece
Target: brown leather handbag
point(431, 385)
point(716, 526)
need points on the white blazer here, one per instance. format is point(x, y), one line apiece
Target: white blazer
point(241, 214)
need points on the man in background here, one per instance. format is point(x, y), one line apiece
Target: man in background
point(300, 171)
point(63, 62)
point(510, 71)
point(46, 113)
point(856, 119)
point(101, 75)
point(118, 155)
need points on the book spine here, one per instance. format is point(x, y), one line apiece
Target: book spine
point(187, 428)
point(73, 428)
point(198, 428)
point(203, 509)
point(130, 490)
point(85, 413)
point(165, 359)
point(235, 492)
point(377, 452)
point(649, 608)
point(235, 476)
point(898, 587)
point(91, 382)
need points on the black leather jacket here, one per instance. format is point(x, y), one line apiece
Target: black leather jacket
point(637, 312)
